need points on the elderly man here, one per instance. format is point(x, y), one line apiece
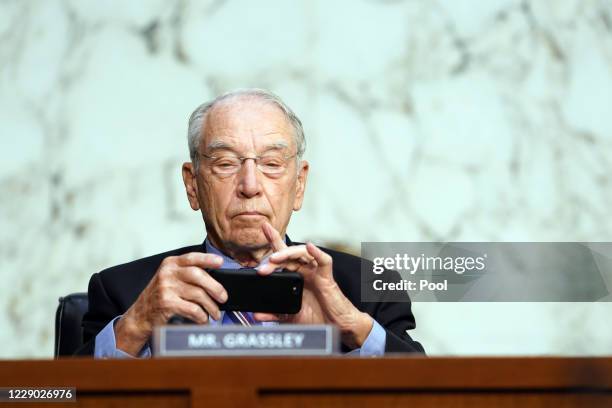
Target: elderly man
point(246, 176)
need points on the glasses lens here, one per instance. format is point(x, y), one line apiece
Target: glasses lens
point(226, 165)
point(272, 164)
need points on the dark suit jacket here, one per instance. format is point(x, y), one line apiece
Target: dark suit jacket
point(112, 291)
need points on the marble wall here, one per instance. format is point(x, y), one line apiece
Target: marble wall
point(426, 120)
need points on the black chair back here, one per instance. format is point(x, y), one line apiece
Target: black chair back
point(68, 317)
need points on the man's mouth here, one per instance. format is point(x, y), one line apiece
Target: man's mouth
point(250, 214)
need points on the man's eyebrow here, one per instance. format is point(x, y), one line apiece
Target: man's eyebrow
point(218, 145)
point(276, 146)
point(221, 145)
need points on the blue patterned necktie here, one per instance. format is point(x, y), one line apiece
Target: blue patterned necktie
point(242, 318)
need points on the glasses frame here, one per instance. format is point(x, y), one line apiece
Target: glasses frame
point(256, 159)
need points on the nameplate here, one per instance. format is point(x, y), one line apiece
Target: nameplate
point(234, 340)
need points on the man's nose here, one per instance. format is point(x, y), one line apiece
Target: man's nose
point(248, 183)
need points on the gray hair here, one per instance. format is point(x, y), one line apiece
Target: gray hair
point(197, 118)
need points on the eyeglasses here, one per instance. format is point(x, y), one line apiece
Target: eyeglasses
point(271, 164)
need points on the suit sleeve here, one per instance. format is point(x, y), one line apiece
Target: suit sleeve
point(394, 313)
point(397, 319)
point(100, 312)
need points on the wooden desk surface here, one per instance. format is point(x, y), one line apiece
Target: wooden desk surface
point(313, 381)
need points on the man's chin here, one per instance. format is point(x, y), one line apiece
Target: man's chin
point(249, 241)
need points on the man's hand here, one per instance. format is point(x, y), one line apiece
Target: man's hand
point(180, 286)
point(322, 301)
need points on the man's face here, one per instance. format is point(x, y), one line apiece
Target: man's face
point(234, 207)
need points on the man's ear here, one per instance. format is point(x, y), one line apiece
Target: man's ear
point(191, 185)
point(301, 185)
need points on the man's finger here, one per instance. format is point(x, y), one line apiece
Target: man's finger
point(200, 259)
point(197, 276)
point(267, 269)
point(265, 317)
point(293, 253)
point(290, 257)
point(273, 237)
point(191, 310)
point(198, 295)
point(288, 263)
point(322, 258)
point(271, 267)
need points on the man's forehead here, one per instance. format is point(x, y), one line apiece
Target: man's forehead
point(254, 123)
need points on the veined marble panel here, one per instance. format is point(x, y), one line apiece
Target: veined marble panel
point(429, 120)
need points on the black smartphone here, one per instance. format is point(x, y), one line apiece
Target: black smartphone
point(279, 292)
